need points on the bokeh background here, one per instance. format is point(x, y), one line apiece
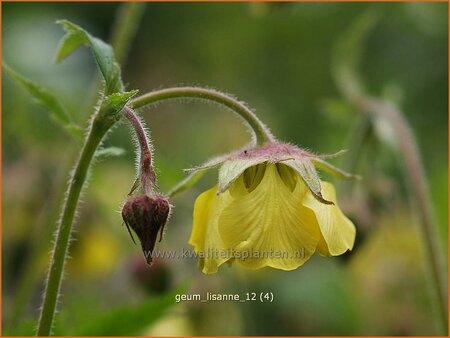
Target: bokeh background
point(276, 57)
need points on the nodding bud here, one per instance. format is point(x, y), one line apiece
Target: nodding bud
point(147, 216)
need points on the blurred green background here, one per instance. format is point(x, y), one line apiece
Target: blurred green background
point(278, 58)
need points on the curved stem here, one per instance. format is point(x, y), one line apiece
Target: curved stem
point(96, 133)
point(147, 174)
point(346, 56)
point(260, 131)
point(418, 185)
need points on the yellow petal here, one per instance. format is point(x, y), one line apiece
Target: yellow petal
point(253, 176)
point(205, 235)
point(270, 224)
point(288, 175)
point(337, 230)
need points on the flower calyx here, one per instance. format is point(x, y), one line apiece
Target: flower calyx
point(302, 161)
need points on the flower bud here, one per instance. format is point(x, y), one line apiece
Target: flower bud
point(147, 216)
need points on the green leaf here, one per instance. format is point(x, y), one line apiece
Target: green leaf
point(128, 320)
point(110, 152)
point(114, 103)
point(111, 108)
point(48, 101)
point(103, 54)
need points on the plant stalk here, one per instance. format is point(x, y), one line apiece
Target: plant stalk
point(124, 30)
point(61, 244)
point(346, 58)
point(147, 174)
point(418, 184)
point(261, 132)
point(96, 133)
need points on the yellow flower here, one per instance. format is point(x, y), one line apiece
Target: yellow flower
point(269, 209)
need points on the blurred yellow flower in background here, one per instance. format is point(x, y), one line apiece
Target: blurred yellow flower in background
point(97, 254)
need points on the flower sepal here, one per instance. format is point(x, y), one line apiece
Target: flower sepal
point(234, 164)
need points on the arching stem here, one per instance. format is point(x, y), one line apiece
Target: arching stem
point(261, 132)
point(147, 175)
point(418, 185)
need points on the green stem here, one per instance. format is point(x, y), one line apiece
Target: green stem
point(125, 27)
point(346, 56)
point(418, 185)
point(95, 135)
point(261, 132)
point(97, 131)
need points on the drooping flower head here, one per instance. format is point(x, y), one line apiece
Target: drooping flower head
point(269, 209)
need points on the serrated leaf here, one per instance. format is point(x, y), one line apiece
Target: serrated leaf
point(43, 97)
point(110, 152)
point(129, 320)
point(103, 54)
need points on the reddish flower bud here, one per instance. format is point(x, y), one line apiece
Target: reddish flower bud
point(147, 217)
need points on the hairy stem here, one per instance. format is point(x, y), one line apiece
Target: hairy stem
point(346, 57)
point(260, 131)
point(61, 244)
point(125, 27)
point(147, 174)
point(418, 185)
